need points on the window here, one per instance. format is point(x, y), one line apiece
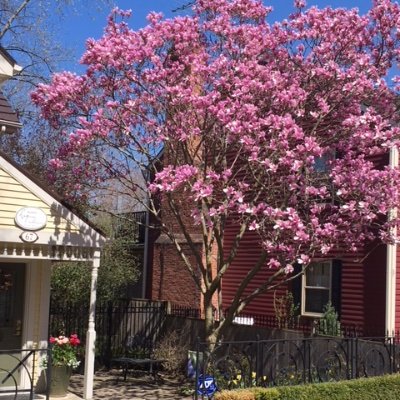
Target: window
point(321, 282)
point(316, 288)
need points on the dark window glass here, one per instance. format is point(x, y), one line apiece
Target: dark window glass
point(316, 299)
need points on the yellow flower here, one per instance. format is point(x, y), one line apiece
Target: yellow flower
point(264, 378)
point(234, 382)
point(238, 377)
point(253, 375)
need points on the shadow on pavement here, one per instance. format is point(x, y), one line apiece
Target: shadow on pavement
point(110, 385)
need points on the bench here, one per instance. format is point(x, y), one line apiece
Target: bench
point(127, 363)
point(138, 351)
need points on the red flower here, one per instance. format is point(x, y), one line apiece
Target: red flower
point(52, 339)
point(74, 340)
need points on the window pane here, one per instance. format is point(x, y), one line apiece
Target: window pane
point(316, 299)
point(319, 274)
point(6, 297)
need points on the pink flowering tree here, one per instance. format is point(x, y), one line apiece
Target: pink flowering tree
point(281, 128)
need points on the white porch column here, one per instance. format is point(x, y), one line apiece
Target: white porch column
point(391, 255)
point(91, 333)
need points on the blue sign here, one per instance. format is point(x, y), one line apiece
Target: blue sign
point(206, 386)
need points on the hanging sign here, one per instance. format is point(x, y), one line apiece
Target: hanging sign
point(31, 218)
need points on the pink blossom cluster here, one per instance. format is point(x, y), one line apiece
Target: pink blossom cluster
point(281, 127)
point(171, 179)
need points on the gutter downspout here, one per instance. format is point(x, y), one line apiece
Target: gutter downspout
point(391, 259)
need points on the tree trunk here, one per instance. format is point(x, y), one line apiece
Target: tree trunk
point(209, 323)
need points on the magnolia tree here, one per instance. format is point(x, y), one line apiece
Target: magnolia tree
point(278, 128)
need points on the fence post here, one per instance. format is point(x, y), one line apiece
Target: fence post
point(258, 363)
point(349, 358)
point(354, 357)
point(168, 307)
point(392, 355)
point(306, 365)
point(196, 380)
point(108, 352)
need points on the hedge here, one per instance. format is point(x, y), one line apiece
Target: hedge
point(378, 388)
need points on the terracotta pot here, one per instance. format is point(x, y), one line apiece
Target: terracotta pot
point(60, 376)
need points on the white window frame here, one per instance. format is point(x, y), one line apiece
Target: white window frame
point(304, 286)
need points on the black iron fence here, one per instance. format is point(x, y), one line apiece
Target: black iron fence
point(304, 325)
point(290, 362)
point(116, 322)
point(20, 375)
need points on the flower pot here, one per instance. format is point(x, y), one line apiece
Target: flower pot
point(60, 376)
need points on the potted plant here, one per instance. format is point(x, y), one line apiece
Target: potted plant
point(63, 359)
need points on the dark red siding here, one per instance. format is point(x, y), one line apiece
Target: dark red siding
point(247, 257)
point(374, 271)
point(362, 285)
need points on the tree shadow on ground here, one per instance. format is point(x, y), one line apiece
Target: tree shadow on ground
point(110, 385)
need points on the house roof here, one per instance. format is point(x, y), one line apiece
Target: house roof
point(8, 117)
point(7, 56)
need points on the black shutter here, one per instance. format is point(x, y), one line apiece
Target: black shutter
point(336, 293)
point(296, 286)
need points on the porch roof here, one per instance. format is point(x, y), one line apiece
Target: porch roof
point(36, 223)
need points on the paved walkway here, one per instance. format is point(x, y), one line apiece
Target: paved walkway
point(111, 386)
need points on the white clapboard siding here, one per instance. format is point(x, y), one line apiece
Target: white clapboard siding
point(14, 195)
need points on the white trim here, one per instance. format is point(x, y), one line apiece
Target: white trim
point(303, 289)
point(391, 256)
point(91, 333)
point(10, 123)
point(28, 251)
point(35, 320)
point(50, 238)
point(44, 304)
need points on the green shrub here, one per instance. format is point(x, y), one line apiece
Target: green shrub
point(378, 388)
point(329, 323)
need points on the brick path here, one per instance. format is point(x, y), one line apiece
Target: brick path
point(111, 386)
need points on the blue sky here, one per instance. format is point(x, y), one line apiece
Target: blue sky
point(75, 28)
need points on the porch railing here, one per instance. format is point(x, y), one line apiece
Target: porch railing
point(20, 374)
